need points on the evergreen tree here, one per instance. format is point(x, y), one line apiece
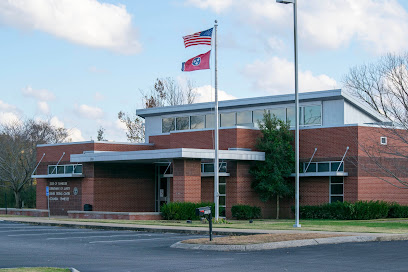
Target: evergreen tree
point(271, 175)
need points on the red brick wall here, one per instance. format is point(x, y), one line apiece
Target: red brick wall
point(58, 206)
point(229, 138)
point(123, 187)
point(313, 191)
point(207, 189)
point(372, 188)
point(186, 180)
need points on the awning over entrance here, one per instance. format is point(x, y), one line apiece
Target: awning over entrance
point(145, 156)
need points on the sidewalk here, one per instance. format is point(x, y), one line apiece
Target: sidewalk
point(352, 236)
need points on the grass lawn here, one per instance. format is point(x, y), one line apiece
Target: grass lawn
point(259, 238)
point(372, 226)
point(36, 269)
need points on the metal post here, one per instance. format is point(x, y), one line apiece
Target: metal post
point(5, 200)
point(48, 197)
point(210, 222)
point(296, 225)
point(216, 159)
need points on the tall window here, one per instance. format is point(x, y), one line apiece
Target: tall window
point(209, 121)
point(197, 122)
point(227, 119)
point(222, 186)
point(280, 113)
point(336, 189)
point(244, 118)
point(182, 123)
point(168, 124)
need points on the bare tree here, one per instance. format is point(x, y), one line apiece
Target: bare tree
point(384, 87)
point(18, 142)
point(134, 125)
point(101, 134)
point(165, 92)
point(168, 92)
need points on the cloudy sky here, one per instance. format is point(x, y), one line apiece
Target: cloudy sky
point(79, 62)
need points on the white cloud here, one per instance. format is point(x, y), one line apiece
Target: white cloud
point(9, 117)
point(43, 107)
point(215, 5)
point(276, 76)
point(120, 125)
point(85, 22)
point(9, 113)
point(206, 94)
point(42, 95)
point(380, 25)
point(75, 135)
point(56, 122)
point(89, 111)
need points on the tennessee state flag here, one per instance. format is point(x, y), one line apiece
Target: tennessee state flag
point(199, 62)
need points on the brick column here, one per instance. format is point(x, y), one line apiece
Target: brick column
point(186, 180)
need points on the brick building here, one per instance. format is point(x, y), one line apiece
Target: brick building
point(125, 180)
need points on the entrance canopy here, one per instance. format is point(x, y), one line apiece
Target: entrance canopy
point(146, 156)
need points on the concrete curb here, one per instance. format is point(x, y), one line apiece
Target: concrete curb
point(153, 229)
point(290, 244)
point(74, 270)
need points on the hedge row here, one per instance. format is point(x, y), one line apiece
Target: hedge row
point(183, 210)
point(245, 212)
point(186, 211)
point(361, 210)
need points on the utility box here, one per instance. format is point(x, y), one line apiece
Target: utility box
point(87, 207)
point(206, 212)
point(203, 211)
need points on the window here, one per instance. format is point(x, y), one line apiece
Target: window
point(312, 167)
point(280, 113)
point(227, 119)
point(258, 116)
point(311, 115)
point(290, 116)
point(197, 122)
point(335, 165)
point(336, 189)
point(209, 121)
point(323, 167)
point(208, 167)
point(182, 123)
point(168, 124)
point(244, 118)
point(222, 190)
point(65, 169)
point(384, 140)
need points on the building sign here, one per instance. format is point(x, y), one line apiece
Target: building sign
point(59, 191)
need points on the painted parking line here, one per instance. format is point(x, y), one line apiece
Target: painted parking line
point(58, 233)
point(29, 230)
point(99, 236)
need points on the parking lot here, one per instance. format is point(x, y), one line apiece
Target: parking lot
point(107, 250)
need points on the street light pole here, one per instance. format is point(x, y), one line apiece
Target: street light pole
point(296, 225)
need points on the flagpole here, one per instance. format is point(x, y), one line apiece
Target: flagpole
point(216, 159)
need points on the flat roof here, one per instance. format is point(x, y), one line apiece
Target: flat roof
point(149, 156)
point(261, 101)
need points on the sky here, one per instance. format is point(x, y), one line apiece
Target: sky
point(78, 63)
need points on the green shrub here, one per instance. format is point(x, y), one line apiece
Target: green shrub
point(397, 211)
point(361, 210)
point(245, 212)
point(183, 210)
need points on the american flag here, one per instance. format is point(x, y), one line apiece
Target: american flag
point(202, 37)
